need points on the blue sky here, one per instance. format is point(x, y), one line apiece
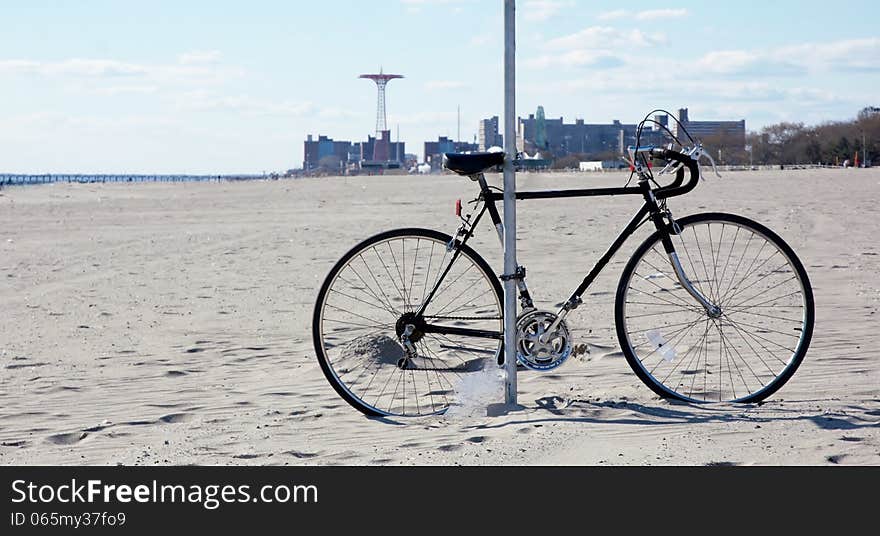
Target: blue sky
point(228, 87)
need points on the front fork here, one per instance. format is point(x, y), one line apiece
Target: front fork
point(668, 227)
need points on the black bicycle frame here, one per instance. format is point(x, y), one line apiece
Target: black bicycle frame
point(650, 210)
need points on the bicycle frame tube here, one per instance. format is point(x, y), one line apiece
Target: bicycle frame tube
point(649, 211)
point(455, 256)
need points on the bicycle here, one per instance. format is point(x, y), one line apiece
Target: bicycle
point(711, 307)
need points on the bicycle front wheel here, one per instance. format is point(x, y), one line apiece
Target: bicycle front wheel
point(379, 287)
point(746, 352)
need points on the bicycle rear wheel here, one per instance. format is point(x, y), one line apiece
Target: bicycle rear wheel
point(375, 290)
point(745, 353)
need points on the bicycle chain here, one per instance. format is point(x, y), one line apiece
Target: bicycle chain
point(464, 318)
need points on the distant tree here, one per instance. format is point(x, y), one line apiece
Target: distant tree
point(868, 113)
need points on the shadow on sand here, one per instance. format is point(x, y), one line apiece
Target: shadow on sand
point(853, 417)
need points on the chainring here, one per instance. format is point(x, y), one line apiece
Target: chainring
point(531, 351)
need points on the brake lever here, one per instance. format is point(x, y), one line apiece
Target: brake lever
point(671, 167)
point(712, 161)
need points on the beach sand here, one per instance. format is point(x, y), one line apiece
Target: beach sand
point(171, 324)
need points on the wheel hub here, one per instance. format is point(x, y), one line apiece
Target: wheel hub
point(413, 320)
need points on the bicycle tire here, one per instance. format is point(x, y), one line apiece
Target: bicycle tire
point(479, 354)
point(753, 333)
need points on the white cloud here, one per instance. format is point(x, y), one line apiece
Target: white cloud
point(576, 58)
point(743, 62)
point(104, 69)
point(651, 14)
point(74, 67)
point(338, 113)
point(415, 6)
point(606, 38)
point(113, 91)
point(196, 57)
point(541, 10)
point(207, 101)
point(431, 2)
point(445, 85)
point(847, 55)
point(613, 15)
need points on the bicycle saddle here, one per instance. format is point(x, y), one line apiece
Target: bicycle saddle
point(473, 163)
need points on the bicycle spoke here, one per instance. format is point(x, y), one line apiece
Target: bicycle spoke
point(680, 361)
point(742, 334)
point(698, 356)
point(739, 264)
point(684, 304)
point(763, 313)
point(362, 307)
point(391, 277)
point(691, 261)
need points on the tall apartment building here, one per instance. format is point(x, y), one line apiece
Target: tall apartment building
point(315, 150)
point(699, 130)
point(489, 135)
point(434, 150)
point(558, 138)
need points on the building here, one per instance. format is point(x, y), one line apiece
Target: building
point(489, 135)
point(325, 152)
point(434, 150)
point(328, 154)
point(390, 152)
point(557, 138)
point(732, 132)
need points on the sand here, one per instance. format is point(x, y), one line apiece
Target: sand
point(171, 324)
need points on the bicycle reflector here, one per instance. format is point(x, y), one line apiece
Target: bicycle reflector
point(458, 207)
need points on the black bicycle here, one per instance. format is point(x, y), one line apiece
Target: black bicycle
point(710, 308)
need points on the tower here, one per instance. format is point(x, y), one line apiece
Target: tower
point(541, 130)
point(383, 135)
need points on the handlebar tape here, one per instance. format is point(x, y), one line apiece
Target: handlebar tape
point(675, 189)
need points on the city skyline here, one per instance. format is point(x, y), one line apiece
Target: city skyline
point(222, 87)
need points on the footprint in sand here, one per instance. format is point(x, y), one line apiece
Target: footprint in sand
point(246, 456)
point(71, 438)
point(25, 365)
point(174, 418)
point(99, 427)
point(302, 455)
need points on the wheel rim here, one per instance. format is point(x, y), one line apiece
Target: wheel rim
point(360, 314)
point(750, 347)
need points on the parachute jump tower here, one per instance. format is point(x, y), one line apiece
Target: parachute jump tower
point(381, 148)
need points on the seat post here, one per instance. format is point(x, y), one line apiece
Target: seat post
point(481, 179)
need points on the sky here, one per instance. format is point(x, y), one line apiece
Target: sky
point(101, 86)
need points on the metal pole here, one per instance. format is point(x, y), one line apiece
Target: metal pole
point(510, 264)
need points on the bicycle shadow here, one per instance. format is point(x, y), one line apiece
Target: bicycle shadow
point(851, 417)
